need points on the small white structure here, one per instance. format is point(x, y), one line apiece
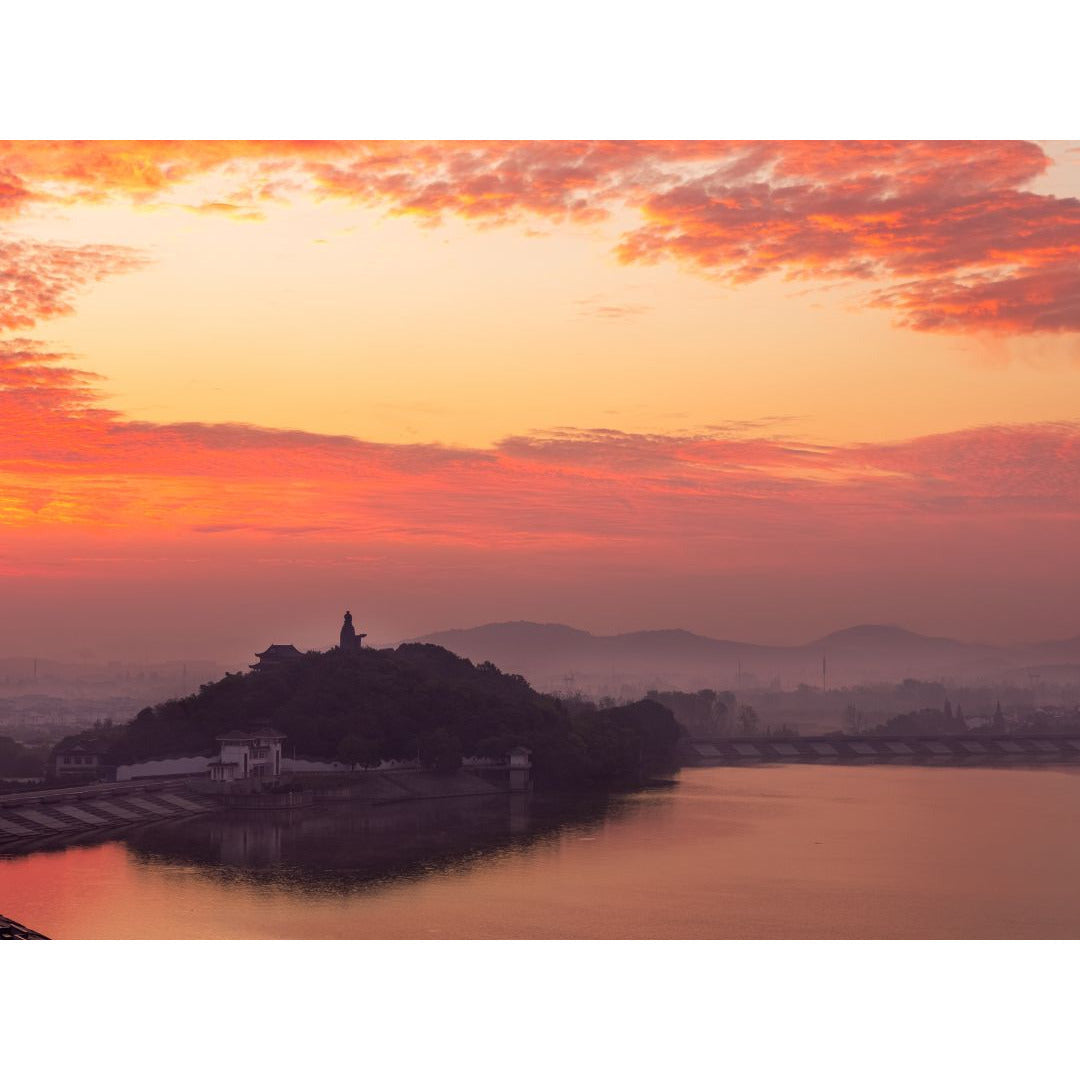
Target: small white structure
point(520, 763)
point(246, 754)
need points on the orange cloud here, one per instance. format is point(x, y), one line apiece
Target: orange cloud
point(99, 513)
point(947, 229)
point(97, 170)
point(14, 194)
point(928, 216)
point(1019, 301)
point(228, 209)
point(38, 281)
point(64, 461)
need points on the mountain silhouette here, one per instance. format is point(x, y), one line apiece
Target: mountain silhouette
point(557, 657)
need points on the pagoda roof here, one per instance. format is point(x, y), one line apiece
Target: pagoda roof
point(280, 650)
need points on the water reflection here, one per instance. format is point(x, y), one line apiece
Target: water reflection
point(774, 851)
point(344, 847)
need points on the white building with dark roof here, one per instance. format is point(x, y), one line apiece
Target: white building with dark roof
point(244, 754)
point(74, 758)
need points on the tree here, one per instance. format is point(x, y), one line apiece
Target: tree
point(748, 720)
point(784, 731)
point(19, 760)
point(854, 721)
point(703, 713)
point(998, 723)
point(365, 705)
point(440, 751)
point(357, 750)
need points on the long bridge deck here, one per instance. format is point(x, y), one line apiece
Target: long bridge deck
point(836, 749)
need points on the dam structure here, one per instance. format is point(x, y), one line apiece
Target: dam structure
point(49, 817)
point(56, 817)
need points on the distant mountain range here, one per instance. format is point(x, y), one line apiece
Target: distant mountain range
point(555, 657)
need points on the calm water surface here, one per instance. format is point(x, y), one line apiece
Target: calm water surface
point(784, 851)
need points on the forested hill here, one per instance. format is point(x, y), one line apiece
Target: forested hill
point(366, 705)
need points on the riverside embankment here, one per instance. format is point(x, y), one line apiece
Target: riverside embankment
point(52, 818)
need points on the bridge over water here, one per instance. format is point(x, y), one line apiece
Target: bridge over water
point(838, 749)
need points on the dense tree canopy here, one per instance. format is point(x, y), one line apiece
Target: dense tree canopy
point(705, 714)
point(364, 705)
point(19, 760)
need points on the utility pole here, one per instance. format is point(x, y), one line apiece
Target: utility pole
point(824, 675)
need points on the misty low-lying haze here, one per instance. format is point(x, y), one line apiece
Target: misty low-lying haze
point(562, 659)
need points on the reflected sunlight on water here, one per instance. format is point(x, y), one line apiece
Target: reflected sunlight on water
point(772, 851)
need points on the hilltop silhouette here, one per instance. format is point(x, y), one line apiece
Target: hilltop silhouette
point(362, 706)
point(556, 657)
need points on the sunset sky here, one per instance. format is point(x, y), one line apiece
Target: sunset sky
point(754, 390)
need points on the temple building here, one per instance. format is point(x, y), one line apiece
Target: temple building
point(349, 638)
point(274, 655)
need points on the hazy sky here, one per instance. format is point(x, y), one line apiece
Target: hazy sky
point(754, 390)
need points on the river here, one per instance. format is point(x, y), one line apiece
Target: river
point(770, 851)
